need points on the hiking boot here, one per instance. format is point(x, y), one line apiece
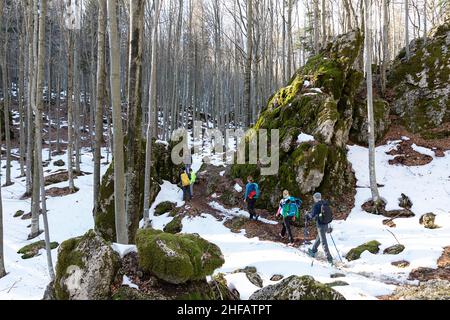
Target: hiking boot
point(257, 217)
point(311, 253)
point(330, 262)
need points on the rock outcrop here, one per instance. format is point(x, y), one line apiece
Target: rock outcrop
point(421, 85)
point(319, 102)
point(86, 268)
point(162, 169)
point(429, 290)
point(297, 288)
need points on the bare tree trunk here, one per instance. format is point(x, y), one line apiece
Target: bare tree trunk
point(425, 27)
point(101, 90)
point(407, 29)
point(248, 65)
point(372, 171)
point(21, 97)
point(6, 102)
point(152, 102)
point(69, 100)
point(316, 27)
point(119, 173)
point(324, 24)
point(38, 131)
point(2, 263)
point(385, 45)
point(134, 162)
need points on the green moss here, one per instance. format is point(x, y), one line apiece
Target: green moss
point(177, 258)
point(67, 256)
point(355, 253)
point(19, 213)
point(164, 207)
point(432, 134)
point(175, 226)
point(31, 250)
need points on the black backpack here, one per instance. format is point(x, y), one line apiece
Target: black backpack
point(326, 215)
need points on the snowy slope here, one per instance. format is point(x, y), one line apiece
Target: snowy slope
point(69, 216)
point(371, 275)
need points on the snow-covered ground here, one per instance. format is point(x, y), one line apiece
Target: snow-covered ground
point(372, 275)
point(69, 216)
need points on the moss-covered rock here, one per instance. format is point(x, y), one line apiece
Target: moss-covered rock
point(355, 253)
point(162, 169)
point(19, 213)
point(164, 207)
point(297, 288)
point(177, 258)
point(175, 226)
point(86, 268)
point(59, 163)
point(360, 127)
point(395, 249)
point(421, 85)
point(427, 220)
point(318, 101)
point(219, 285)
point(32, 250)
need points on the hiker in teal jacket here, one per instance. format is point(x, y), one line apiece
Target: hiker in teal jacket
point(289, 209)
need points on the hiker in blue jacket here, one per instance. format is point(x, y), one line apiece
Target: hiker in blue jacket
point(320, 213)
point(250, 197)
point(289, 209)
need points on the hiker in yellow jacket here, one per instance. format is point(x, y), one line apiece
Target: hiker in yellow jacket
point(186, 185)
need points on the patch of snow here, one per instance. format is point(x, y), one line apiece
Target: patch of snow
point(240, 282)
point(423, 150)
point(123, 249)
point(222, 173)
point(127, 282)
point(235, 212)
point(303, 137)
point(238, 188)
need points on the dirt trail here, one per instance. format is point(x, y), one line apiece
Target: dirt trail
point(264, 231)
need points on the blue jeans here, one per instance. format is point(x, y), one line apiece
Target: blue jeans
point(322, 239)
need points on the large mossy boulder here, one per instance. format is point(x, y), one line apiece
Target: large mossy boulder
point(297, 288)
point(318, 101)
point(421, 85)
point(87, 267)
point(177, 258)
point(360, 127)
point(371, 246)
point(162, 169)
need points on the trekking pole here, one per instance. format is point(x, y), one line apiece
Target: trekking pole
point(336, 248)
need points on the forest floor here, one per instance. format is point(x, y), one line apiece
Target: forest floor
point(423, 176)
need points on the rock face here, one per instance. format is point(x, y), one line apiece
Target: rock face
point(421, 86)
point(359, 132)
point(429, 290)
point(355, 253)
point(86, 268)
point(177, 258)
point(162, 169)
point(297, 288)
point(318, 101)
point(252, 276)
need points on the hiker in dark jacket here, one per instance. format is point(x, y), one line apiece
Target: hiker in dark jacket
point(250, 197)
point(322, 229)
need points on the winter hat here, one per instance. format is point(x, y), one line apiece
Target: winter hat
point(317, 197)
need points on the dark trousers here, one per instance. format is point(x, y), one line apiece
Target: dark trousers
point(287, 227)
point(187, 193)
point(251, 208)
